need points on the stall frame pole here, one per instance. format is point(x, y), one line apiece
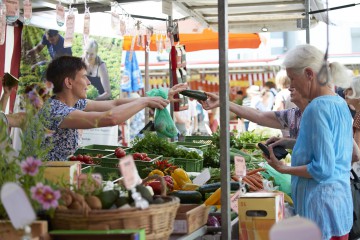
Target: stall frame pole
point(224, 119)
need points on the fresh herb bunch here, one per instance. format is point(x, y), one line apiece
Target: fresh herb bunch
point(216, 138)
point(24, 168)
point(212, 157)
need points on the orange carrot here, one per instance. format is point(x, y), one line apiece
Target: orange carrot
point(235, 178)
point(255, 182)
point(255, 171)
point(250, 184)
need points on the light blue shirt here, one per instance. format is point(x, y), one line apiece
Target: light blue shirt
point(324, 145)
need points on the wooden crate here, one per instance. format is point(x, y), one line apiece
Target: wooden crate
point(7, 231)
point(190, 217)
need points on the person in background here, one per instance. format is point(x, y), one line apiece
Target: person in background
point(96, 70)
point(352, 97)
point(186, 120)
point(268, 94)
point(322, 155)
point(54, 43)
point(137, 122)
point(68, 109)
point(251, 99)
point(282, 98)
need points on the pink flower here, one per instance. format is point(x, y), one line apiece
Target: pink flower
point(30, 166)
point(45, 195)
point(37, 191)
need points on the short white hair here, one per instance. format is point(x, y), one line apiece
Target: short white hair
point(303, 56)
point(355, 86)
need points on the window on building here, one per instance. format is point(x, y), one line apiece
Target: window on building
point(355, 39)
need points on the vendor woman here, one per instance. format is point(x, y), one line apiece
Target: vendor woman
point(68, 109)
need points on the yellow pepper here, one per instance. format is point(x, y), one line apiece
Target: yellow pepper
point(157, 172)
point(180, 177)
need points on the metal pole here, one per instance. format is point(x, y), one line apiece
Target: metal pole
point(224, 119)
point(170, 23)
point(147, 83)
point(307, 19)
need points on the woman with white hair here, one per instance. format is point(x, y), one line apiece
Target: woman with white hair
point(96, 70)
point(352, 97)
point(321, 158)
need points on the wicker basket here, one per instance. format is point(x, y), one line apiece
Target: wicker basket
point(157, 220)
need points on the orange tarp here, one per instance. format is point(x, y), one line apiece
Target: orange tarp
point(203, 41)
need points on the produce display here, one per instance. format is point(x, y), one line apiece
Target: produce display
point(163, 175)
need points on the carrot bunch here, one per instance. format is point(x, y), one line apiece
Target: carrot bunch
point(253, 179)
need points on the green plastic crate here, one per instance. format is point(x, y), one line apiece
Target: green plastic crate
point(92, 152)
point(200, 146)
point(112, 161)
point(189, 165)
point(103, 147)
point(104, 171)
point(199, 139)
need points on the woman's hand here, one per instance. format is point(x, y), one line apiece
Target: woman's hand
point(211, 102)
point(287, 143)
point(273, 161)
point(176, 89)
point(155, 102)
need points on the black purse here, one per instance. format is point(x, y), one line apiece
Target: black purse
point(355, 190)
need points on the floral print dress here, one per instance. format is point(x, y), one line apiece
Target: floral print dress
point(290, 119)
point(64, 141)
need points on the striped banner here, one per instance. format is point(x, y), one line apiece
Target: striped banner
point(10, 54)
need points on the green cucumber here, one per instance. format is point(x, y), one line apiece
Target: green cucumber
point(187, 196)
point(198, 95)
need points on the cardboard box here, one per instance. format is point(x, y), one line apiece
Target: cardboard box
point(7, 231)
point(58, 171)
point(257, 214)
point(190, 217)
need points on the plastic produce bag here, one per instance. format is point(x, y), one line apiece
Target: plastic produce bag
point(163, 123)
point(281, 180)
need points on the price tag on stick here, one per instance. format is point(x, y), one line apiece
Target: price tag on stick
point(240, 166)
point(129, 172)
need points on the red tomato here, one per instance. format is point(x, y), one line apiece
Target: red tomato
point(73, 158)
point(80, 157)
point(137, 156)
point(147, 159)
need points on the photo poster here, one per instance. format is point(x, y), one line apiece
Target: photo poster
point(33, 68)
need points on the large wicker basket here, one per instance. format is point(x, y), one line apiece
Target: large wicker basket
point(157, 220)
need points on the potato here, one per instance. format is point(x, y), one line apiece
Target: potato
point(76, 205)
point(66, 198)
point(93, 202)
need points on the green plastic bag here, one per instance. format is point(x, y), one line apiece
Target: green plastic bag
point(281, 180)
point(163, 123)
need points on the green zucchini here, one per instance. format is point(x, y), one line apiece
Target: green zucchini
point(198, 95)
point(212, 187)
point(187, 196)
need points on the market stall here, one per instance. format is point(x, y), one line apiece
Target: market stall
point(173, 162)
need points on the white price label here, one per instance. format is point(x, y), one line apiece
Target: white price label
point(202, 178)
point(240, 166)
point(69, 33)
point(129, 172)
point(60, 15)
point(234, 201)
